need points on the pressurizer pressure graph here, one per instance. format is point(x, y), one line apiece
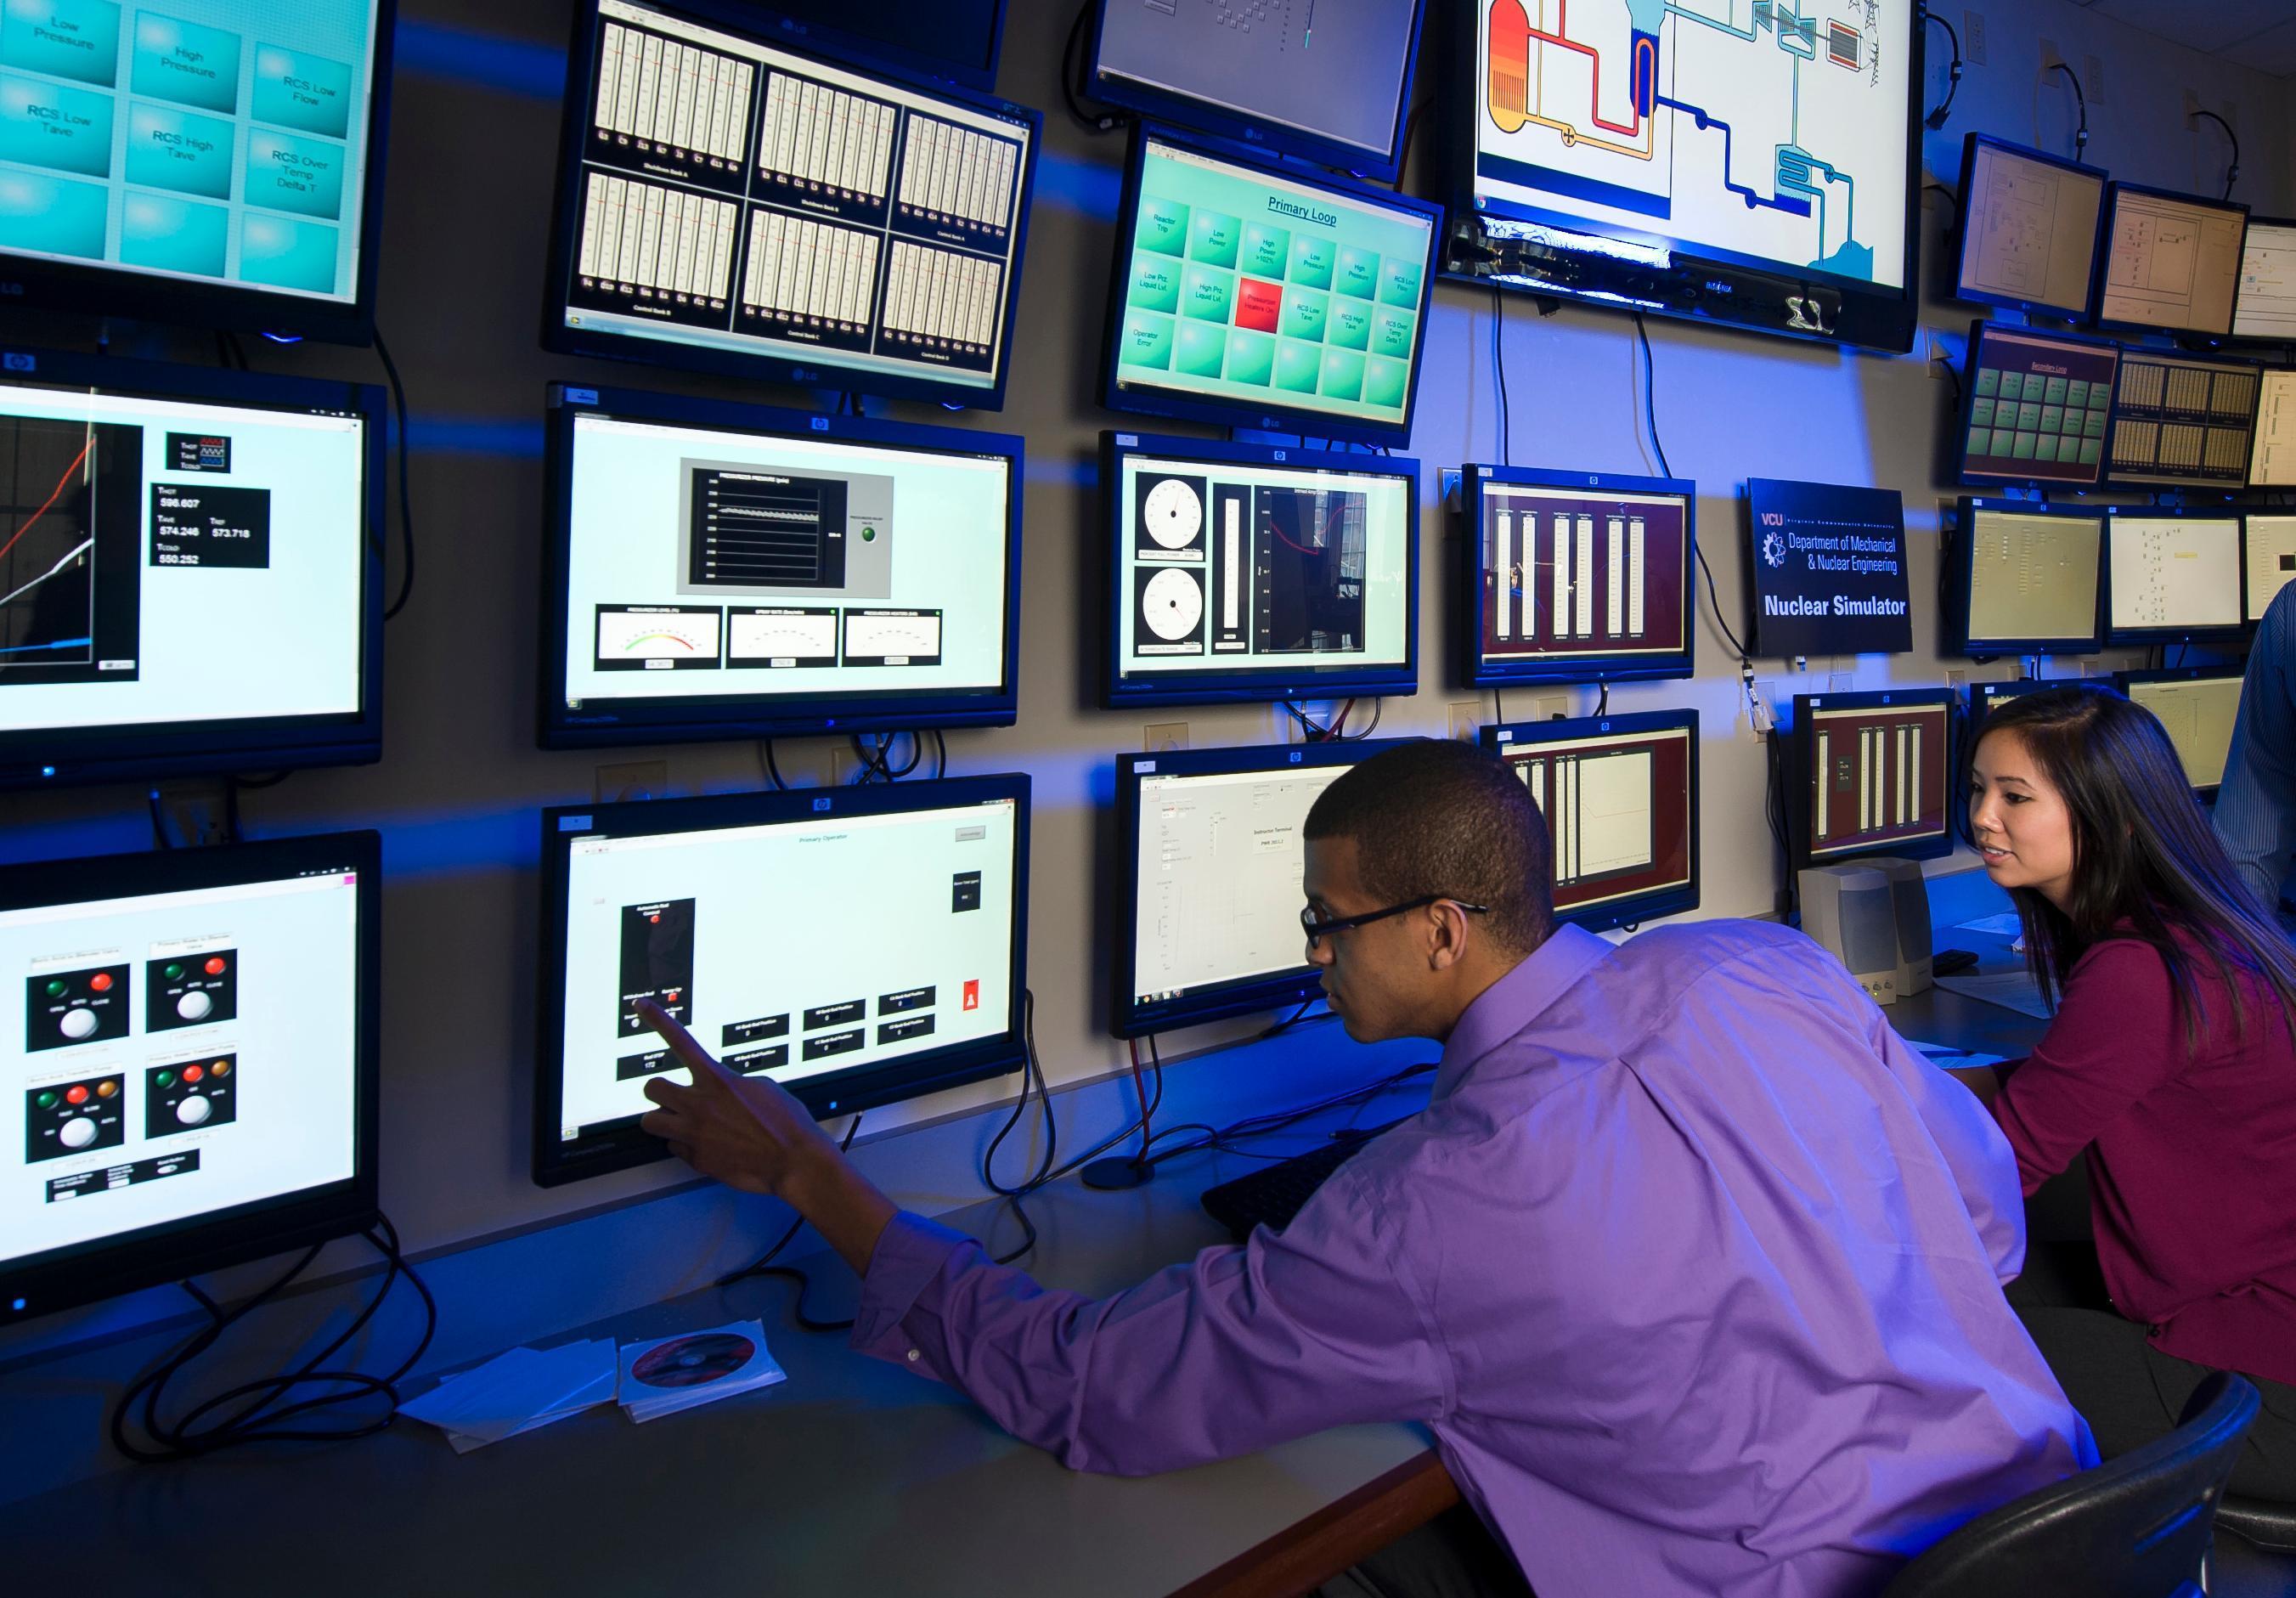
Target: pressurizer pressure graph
point(47, 543)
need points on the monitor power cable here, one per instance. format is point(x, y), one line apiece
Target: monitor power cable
point(2231, 169)
point(1936, 118)
point(406, 499)
point(2080, 135)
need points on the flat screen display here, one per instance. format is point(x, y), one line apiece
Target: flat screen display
point(1619, 795)
point(958, 40)
point(2183, 419)
point(732, 571)
point(2036, 408)
point(2198, 707)
point(187, 1040)
point(857, 947)
point(2169, 575)
point(2265, 305)
point(2028, 227)
point(729, 204)
point(2272, 456)
point(187, 570)
point(1875, 772)
point(1242, 572)
point(2271, 559)
point(1245, 293)
point(2171, 261)
point(2027, 580)
point(210, 163)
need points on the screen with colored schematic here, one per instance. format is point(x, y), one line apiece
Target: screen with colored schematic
point(1578, 576)
point(171, 1055)
point(1258, 292)
point(2036, 407)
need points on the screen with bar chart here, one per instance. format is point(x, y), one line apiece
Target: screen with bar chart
point(728, 571)
point(1874, 773)
point(727, 204)
point(1620, 794)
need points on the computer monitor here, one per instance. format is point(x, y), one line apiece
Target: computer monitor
point(1620, 794)
point(1873, 775)
point(219, 164)
point(1575, 576)
point(2035, 407)
point(1246, 292)
point(2170, 576)
point(2181, 419)
point(730, 205)
point(190, 571)
point(2170, 261)
point(2021, 578)
point(2028, 227)
point(1329, 87)
point(2199, 706)
point(2270, 559)
point(2272, 457)
point(1209, 895)
point(2266, 307)
point(1985, 698)
point(956, 41)
point(1696, 162)
point(156, 988)
point(1241, 572)
point(718, 570)
point(859, 945)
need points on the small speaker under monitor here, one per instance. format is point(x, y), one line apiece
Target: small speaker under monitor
point(1909, 897)
point(1851, 910)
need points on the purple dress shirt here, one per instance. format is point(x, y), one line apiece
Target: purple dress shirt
point(1693, 1268)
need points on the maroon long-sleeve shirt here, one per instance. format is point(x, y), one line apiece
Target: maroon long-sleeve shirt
point(2193, 1161)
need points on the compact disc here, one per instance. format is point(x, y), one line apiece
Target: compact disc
point(1172, 604)
point(690, 1361)
point(1173, 513)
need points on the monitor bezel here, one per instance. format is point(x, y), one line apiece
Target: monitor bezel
point(1970, 146)
point(1498, 740)
point(2251, 339)
point(689, 720)
point(2115, 636)
point(71, 756)
point(1960, 571)
point(36, 285)
point(2168, 479)
point(1802, 744)
point(622, 1144)
point(171, 1250)
point(2123, 681)
point(1469, 608)
point(763, 365)
point(2106, 219)
point(1128, 1017)
point(1979, 332)
point(1274, 416)
point(1396, 680)
point(1281, 138)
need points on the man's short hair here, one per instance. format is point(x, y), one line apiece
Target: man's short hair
point(1433, 818)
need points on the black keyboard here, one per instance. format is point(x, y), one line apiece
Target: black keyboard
point(1270, 1198)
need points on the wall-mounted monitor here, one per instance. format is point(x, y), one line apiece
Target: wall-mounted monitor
point(730, 205)
point(2198, 706)
point(2269, 562)
point(956, 41)
point(2272, 456)
point(190, 571)
point(859, 945)
point(2036, 408)
point(2265, 307)
point(1985, 698)
point(2168, 261)
point(219, 164)
point(1328, 85)
point(718, 570)
point(2021, 578)
point(1620, 794)
point(2028, 227)
point(1872, 775)
point(2170, 576)
point(1243, 571)
point(1209, 895)
point(1755, 168)
point(1249, 293)
point(2182, 419)
point(190, 1081)
point(1574, 576)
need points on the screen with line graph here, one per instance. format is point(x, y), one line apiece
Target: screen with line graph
point(1709, 139)
point(728, 571)
point(163, 557)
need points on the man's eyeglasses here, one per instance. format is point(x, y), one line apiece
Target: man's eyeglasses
point(1317, 931)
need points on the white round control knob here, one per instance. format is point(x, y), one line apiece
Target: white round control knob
point(194, 1006)
point(78, 1131)
point(78, 1024)
point(193, 1110)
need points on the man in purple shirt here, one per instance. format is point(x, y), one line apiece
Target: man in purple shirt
point(1693, 1268)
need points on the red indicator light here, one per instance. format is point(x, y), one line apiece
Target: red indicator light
point(192, 1073)
point(76, 1093)
point(100, 981)
point(214, 967)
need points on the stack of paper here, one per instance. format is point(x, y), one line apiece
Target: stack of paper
point(517, 1392)
point(666, 1374)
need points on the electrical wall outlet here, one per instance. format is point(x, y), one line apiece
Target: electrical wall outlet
point(1466, 716)
point(2092, 71)
point(1837, 682)
point(195, 813)
point(2193, 109)
point(2052, 58)
point(1163, 737)
point(844, 764)
point(631, 780)
point(1550, 706)
point(1955, 677)
point(1450, 477)
point(1972, 38)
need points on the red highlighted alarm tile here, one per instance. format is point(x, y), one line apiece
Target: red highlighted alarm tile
point(1258, 304)
point(973, 995)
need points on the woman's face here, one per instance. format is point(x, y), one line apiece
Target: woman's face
point(2024, 831)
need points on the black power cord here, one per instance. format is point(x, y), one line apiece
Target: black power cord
point(1936, 119)
point(1498, 369)
point(406, 501)
point(1072, 70)
point(2080, 137)
point(2232, 172)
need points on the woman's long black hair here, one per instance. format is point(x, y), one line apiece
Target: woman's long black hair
point(2142, 852)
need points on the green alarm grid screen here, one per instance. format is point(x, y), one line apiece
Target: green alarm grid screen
point(1246, 288)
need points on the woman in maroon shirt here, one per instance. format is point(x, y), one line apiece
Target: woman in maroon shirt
point(2172, 1060)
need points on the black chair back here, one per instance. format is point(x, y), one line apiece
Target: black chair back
point(2135, 1527)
